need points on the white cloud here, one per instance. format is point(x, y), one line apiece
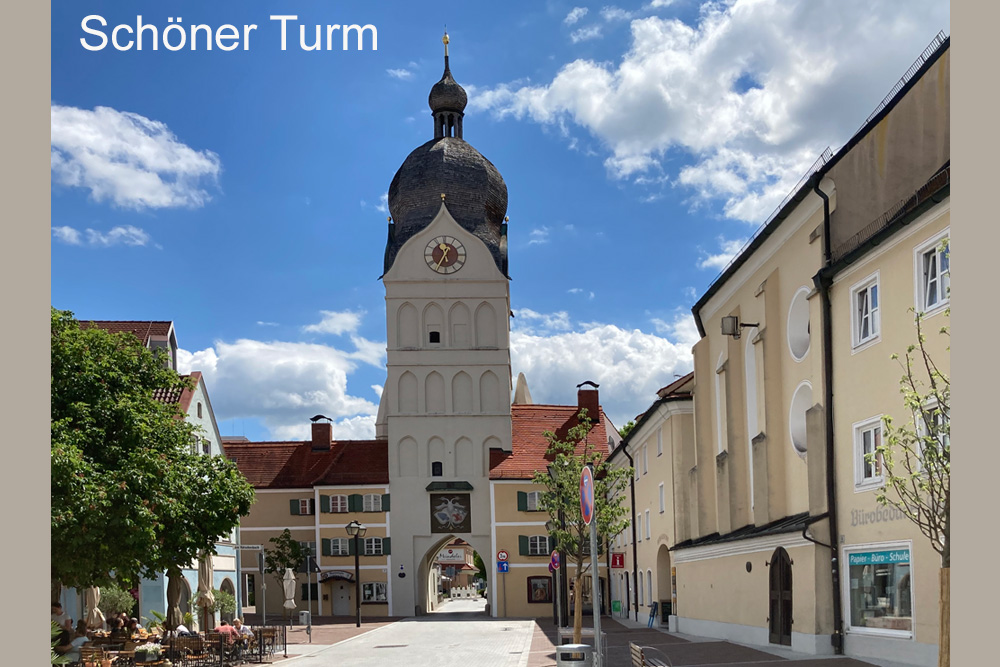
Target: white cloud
point(400, 73)
point(682, 328)
point(629, 365)
point(261, 323)
point(575, 15)
point(383, 202)
point(728, 249)
point(128, 159)
point(585, 34)
point(613, 13)
point(657, 4)
point(121, 235)
point(531, 322)
point(336, 322)
point(282, 384)
point(682, 88)
point(538, 236)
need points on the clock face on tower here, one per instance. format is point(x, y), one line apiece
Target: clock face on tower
point(445, 254)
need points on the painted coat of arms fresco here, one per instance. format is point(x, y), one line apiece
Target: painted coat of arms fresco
point(451, 513)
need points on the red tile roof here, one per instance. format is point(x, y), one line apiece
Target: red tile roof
point(181, 396)
point(528, 445)
point(294, 465)
point(141, 329)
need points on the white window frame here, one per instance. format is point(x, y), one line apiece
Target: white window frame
point(538, 545)
point(375, 587)
point(659, 442)
point(649, 586)
point(645, 459)
point(373, 546)
point(339, 546)
point(928, 247)
point(846, 592)
point(339, 504)
point(534, 501)
point(306, 506)
point(647, 524)
point(921, 428)
point(372, 502)
point(859, 291)
point(663, 500)
point(311, 546)
point(638, 532)
point(861, 481)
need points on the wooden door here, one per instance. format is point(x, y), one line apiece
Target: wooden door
point(780, 598)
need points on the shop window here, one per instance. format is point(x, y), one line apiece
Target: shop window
point(540, 589)
point(879, 589)
point(374, 592)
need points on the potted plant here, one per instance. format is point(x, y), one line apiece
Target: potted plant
point(148, 652)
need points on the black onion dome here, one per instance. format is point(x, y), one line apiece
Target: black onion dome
point(447, 95)
point(475, 194)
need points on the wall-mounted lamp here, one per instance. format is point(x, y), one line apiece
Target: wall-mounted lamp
point(731, 326)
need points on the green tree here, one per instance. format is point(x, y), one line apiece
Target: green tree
point(129, 496)
point(285, 553)
point(627, 428)
point(915, 460)
point(480, 566)
point(561, 499)
point(223, 602)
point(115, 600)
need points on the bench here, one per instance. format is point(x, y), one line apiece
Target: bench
point(640, 659)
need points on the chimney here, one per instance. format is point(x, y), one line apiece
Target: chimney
point(322, 435)
point(587, 397)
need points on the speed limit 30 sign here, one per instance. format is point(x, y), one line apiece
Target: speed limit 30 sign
point(502, 555)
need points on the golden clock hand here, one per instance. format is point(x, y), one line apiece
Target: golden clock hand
point(444, 255)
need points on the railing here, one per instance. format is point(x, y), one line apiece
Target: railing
point(214, 649)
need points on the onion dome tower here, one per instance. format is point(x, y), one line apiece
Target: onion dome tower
point(448, 168)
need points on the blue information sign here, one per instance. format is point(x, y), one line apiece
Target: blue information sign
point(503, 567)
point(897, 556)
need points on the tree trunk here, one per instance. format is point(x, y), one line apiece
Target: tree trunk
point(944, 640)
point(578, 605)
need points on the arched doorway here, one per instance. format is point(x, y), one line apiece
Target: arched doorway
point(663, 592)
point(780, 598)
point(437, 580)
point(227, 587)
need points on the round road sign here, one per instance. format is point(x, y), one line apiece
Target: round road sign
point(502, 555)
point(587, 495)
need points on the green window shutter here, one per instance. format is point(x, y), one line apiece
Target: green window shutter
point(522, 501)
point(552, 543)
point(294, 505)
point(355, 502)
point(385, 546)
point(350, 547)
point(522, 545)
point(324, 504)
point(327, 550)
point(385, 502)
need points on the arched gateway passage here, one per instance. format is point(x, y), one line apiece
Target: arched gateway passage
point(433, 579)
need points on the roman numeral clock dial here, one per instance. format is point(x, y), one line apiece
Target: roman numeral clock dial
point(445, 254)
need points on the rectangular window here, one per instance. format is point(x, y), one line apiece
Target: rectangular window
point(659, 442)
point(534, 498)
point(663, 500)
point(867, 439)
point(310, 591)
point(933, 274)
point(865, 298)
point(308, 548)
point(339, 546)
point(373, 546)
point(538, 545)
point(373, 502)
point(374, 591)
point(638, 531)
point(540, 589)
point(645, 460)
point(303, 506)
point(338, 504)
point(647, 524)
point(878, 589)
point(934, 429)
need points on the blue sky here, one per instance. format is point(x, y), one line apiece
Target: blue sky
point(241, 194)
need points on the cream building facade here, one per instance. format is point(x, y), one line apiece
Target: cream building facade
point(776, 536)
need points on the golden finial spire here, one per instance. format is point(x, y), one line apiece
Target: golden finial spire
point(445, 40)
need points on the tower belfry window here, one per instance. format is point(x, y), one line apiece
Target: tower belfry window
point(434, 337)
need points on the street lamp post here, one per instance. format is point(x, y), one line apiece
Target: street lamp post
point(357, 531)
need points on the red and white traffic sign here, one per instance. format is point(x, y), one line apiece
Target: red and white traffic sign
point(587, 495)
point(554, 560)
point(502, 555)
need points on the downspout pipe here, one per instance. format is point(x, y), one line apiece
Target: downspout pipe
point(635, 550)
point(823, 282)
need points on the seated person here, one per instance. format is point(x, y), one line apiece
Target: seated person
point(244, 631)
point(118, 630)
point(69, 645)
point(229, 632)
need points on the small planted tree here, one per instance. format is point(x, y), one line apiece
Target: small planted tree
point(915, 459)
point(115, 600)
point(561, 499)
point(285, 552)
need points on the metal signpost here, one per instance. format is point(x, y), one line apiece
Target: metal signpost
point(587, 512)
point(502, 568)
point(554, 569)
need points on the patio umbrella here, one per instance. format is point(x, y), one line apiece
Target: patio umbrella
point(92, 598)
point(175, 588)
point(206, 599)
point(288, 584)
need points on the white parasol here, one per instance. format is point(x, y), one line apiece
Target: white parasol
point(288, 583)
point(92, 598)
point(206, 599)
